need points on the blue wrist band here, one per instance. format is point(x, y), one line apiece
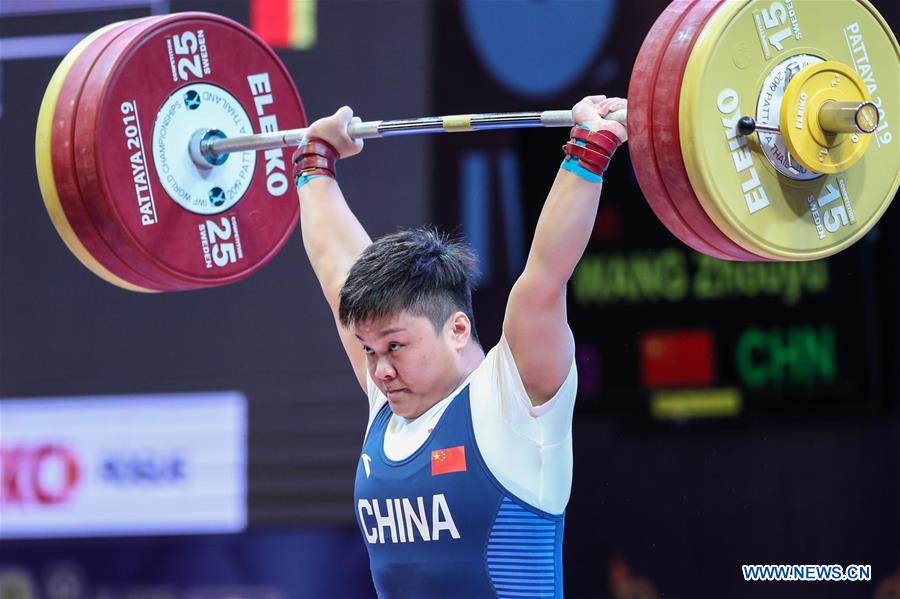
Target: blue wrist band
point(304, 179)
point(573, 166)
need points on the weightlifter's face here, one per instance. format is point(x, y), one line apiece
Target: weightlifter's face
point(414, 365)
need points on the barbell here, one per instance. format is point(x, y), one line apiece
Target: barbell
point(758, 130)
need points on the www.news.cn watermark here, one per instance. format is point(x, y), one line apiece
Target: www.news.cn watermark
point(806, 572)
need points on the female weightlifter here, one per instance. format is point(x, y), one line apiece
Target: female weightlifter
point(466, 467)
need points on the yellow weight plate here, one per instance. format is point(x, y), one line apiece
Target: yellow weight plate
point(746, 46)
point(809, 90)
point(44, 164)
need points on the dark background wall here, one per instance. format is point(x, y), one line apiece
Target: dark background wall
point(806, 471)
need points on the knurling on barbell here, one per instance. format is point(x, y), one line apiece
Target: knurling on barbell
point(162, 158)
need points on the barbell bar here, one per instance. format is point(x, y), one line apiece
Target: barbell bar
point(217, 147)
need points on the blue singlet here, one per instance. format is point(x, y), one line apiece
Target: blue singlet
point(439, 525)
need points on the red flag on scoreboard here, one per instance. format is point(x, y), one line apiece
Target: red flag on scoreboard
point(677, 358)
point(451, 459)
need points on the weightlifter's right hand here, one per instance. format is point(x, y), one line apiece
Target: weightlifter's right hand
point(333, 129)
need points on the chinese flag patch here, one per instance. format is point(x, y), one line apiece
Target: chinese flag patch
point(451, 459)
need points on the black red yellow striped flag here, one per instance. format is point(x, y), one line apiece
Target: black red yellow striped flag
point(285, 24)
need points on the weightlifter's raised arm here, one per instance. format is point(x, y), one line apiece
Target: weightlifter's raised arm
point(535, 324)
point(332, 235)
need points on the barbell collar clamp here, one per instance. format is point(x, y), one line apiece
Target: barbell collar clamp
point(199, 139)
point(747, 125)
point(849, 117)
point(834, 118)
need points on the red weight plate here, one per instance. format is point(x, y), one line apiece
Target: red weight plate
point(90, 172)
point(666, 136)
point(640, 135)
point(151, 88)
point(63, 163)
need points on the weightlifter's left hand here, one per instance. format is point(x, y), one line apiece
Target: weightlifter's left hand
point(592, 110)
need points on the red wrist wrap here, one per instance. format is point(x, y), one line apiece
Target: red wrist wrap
point(597, 151)
point(316, 156)
point(606, 141)
point(594, 161)
point(310, 161)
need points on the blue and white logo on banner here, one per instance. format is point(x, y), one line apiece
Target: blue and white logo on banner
point(123, 465)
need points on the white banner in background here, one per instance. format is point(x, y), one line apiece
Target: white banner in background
point(123, 465)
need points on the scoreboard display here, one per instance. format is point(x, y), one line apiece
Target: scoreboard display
point(666, 331)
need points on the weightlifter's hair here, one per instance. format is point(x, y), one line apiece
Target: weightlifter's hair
point(422, 271)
